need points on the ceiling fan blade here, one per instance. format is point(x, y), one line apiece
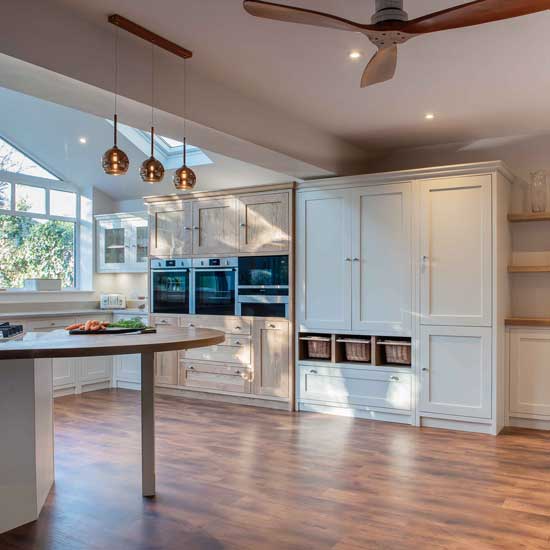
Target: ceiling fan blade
point(474, 13)
point(281, 12)
point(381, 67)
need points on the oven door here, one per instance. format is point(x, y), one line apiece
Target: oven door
point(263, 271)
point(170, 291)
point(215, 291)
point(263, 306)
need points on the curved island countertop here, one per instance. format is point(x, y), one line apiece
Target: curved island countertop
point(59, 343)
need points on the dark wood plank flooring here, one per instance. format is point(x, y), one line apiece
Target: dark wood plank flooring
point(232, 477)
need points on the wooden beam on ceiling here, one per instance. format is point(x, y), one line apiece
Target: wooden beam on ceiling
point(149, 36)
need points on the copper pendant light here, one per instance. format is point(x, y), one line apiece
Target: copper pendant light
point(184, 178)
point(115, 161)
point(152, 170)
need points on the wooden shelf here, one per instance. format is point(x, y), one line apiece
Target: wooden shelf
point(529, 269)
point(528, 322)
point(531, 217)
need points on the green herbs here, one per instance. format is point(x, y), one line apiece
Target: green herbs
point(128, 323)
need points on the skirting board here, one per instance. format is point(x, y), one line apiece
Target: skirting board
point(458, 425)
point(531, 423)
point(87, 387)
point(206, 396)
point(354, 413)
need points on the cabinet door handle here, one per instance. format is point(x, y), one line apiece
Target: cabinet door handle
point(312, 371)
point(348, 259)
point(243, 224)
point(196, 227)
point(355, 259)
point(425, 369)
point(394, 378)
point(191, 325)
point(187, 228)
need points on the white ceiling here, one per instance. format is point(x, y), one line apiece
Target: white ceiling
point(484, 81)
point(50, 134)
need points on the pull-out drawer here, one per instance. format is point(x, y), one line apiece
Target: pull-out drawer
point(229, 325)
point(159, 321)
point(383, 390)
point(215, 376)
point(49, 323)
point(235, 349)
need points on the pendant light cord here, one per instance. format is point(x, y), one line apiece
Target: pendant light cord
point(184, 114)
point(116, 86)
point(152, 100)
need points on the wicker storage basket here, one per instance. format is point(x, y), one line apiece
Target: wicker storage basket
point(356, 349)
point(397, 352)
point(318, 347)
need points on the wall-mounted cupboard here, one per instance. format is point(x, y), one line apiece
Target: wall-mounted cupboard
point(122, 243)
point(420, 254)
point(205, 225)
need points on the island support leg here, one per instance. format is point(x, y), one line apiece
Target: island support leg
point(148, 424)
point(26, 439)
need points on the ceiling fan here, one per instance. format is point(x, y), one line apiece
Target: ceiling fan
point(390, 25)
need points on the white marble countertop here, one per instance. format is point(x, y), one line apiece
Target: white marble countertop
point(14, 315)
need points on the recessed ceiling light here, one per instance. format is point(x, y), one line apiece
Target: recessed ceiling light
point(355, 54)
point(82, 140)
point(429, 116)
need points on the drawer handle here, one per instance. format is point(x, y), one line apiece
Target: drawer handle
point(237, 343)
point(272, 326)
point(237, 328)
point(191, 325)
point(312, 371)
point(191, 367)
point(394, 378)
point(237, 372)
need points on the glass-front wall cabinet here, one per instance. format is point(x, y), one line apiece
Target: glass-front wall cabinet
point(122, 243)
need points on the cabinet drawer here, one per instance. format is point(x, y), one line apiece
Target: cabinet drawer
point(229, 325)
point(215, 377)
point(51, 323)
point(235, 349)
point(159, 321)
point(355, 387)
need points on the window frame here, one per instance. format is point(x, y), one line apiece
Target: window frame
point(57, 185)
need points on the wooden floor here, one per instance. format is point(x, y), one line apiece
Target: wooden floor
point(239, 477)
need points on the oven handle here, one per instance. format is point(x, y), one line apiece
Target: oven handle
point(234, 269)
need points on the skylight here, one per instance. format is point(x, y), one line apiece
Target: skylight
point(168, 150)
point(14, 160)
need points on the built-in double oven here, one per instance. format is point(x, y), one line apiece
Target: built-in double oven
point(202, 286)
point(253, 286)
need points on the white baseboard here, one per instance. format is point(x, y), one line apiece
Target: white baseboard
point(531, 423)
point(355, 412)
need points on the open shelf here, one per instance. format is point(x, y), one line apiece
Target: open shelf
point(529, 269)
point(529, 217)
point(528, 322)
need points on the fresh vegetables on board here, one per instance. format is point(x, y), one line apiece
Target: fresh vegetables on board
point(93, 325)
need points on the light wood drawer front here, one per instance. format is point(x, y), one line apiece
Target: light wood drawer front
point(234, 350)
point(356, 387)
point(51, 323)
point(214, 377)
point(229, 325)
point(159, 321)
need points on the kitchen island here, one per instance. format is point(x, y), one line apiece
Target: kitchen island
point(26, 407)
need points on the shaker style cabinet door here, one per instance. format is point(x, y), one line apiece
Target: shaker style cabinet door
point(170, 229)
point(264, 223)
point(113, 246)
point(456, 243)
point(455, 376)
point(166, 368)
point(381, 259)
point(271, 358)
point(214, 226)
point(323, 277)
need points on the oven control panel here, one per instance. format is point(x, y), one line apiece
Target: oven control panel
point(215, 262)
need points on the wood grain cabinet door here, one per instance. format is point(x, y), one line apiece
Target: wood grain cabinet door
point(166, 368)
point(381, 260)
point(455, 262)
point(214, 226)
point(170, 229)
point(323, 260)
point(264, 223)
point(271, 358)
point(455, 377)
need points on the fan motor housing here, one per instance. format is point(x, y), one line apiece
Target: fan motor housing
point(389, 10)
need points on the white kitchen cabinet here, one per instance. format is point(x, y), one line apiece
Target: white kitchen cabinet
point(95, 369)
point(456, 251)
point(122, 243)
point(381, 259)
point(64, 372)
point(127, 371)
point(324, 260)
point(530, 373)
point(456, 371)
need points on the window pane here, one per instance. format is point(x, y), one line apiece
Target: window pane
point(30, 199)
point(32, 248)
point(5, 195)
point(13, 160)
point(62, 203)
